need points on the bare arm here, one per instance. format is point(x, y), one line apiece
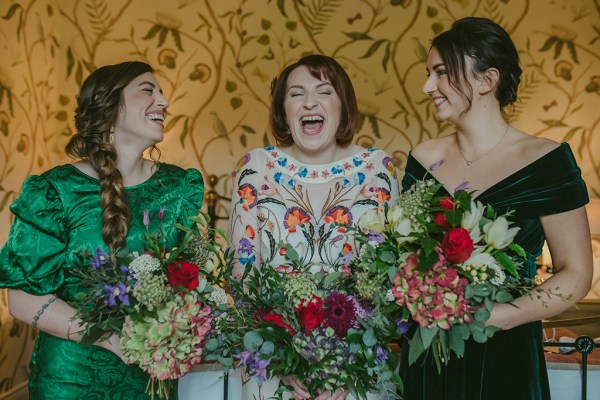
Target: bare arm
point(54, 317)
point(569, 241)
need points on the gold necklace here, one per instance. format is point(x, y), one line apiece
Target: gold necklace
point(469, 162)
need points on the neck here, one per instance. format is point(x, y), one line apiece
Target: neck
point(476, 141)
point(133, 168)
point(323, 156)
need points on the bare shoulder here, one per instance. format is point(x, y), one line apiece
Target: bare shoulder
point(532, 147)
point(433, 150)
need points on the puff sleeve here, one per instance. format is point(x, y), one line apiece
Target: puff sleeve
point(192, 195)
point(33, 258)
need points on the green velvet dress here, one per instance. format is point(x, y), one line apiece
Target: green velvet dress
point(56, 215)
point(511, 364)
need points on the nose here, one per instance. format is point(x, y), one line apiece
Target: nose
point(162, 101)
point(429, 85)
point(309, 101)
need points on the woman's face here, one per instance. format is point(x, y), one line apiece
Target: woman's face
point(142, 113)
point(449, 104)
point(313, 111)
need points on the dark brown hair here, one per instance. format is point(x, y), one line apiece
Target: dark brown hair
point(320, 67)
point(488, 45)
point(98, 105)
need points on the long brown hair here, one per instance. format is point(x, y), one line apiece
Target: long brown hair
point(98, 105)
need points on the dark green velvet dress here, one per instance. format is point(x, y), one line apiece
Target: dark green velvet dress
point(511, 365)
point(56, 215)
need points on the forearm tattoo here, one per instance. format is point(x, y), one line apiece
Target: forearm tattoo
point(39, 313)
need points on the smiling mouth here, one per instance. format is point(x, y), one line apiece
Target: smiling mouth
point(312, 124)
point(157, 117)
point(439, 100)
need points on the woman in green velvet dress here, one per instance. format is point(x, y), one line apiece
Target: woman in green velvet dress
point(96, 202)
point(473, 74)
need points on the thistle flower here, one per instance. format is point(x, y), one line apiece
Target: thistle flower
point(367, 285)
point(198, 250)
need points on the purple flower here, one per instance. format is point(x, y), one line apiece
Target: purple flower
point(99, 259)
point(118, 291)
point(403, 326)
point(436, 165)
point(124, 270)
point(161, 213)
point(463, 186)
point(244, 357)
point(381, 355)
point(375, 237)
point(146, 217)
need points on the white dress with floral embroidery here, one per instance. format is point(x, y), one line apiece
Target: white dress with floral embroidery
point(277, 199)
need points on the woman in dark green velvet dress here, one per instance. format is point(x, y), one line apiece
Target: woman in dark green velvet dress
point(98, 201)
point(473, 74)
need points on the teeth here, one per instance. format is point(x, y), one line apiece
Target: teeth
point(156, 117)
point(312, 118)
point(439, 100)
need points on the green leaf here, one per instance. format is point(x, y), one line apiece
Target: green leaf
point(252, 341)
point(230, 86)
point(517, 249)
point(549, 43)
point(503, 296)
point(427, 335)
point(264, 39)
point(482, 314)
point(506, 262)
point(572, 51)
point(386, 56)
point(416, 348)
point(373, 48)
point(553, 123)
point(374, 125)
point(152, 32)
point(369, 338)
point(11, 11)
point(61, 116)
point(265, 24)
point(236, 102)
point(212, 344)
point(558, 48)
point(358, 36)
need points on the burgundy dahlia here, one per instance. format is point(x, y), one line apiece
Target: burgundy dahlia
point(338, 313)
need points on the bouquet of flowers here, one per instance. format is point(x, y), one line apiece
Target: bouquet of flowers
point(163, 303)
point(445, 261)
point(325, 329)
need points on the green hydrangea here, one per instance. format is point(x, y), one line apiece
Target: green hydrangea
point(150, 290)
point(367, 286)
point(198, 252)
point(300, 288)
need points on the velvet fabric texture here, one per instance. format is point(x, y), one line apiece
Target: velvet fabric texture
point(511, 364)
point(58, 214)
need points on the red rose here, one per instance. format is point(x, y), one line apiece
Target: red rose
point(183, 274)
point(447, 203)
point(277, 319)
point(457, 245)
point(440, 216)
point(311, 315)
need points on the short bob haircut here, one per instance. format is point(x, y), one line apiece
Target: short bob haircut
point(321, 67)
point(488, 45)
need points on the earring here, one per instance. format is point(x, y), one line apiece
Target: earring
point(111, 137)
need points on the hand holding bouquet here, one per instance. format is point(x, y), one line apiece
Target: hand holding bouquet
point(320, 328)
point(445, 262)
point(163, 303)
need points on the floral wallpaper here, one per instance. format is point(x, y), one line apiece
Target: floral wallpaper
point(215, 61)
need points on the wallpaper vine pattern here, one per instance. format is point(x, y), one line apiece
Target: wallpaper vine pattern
point(215, 61)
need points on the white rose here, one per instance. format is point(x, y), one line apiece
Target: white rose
point(209, 266)
point(372, 220)
point(498, 234)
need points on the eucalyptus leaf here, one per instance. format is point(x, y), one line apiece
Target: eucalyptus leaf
point(252, 341)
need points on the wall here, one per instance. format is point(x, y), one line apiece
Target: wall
point(215, 60)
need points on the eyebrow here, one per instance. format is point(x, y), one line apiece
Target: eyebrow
point(151, 84)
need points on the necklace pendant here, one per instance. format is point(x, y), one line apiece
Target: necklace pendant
point(468, 163)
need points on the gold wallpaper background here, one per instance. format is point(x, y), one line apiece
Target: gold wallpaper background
point(215, 60)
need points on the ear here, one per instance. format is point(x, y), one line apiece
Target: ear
point(488, 81)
